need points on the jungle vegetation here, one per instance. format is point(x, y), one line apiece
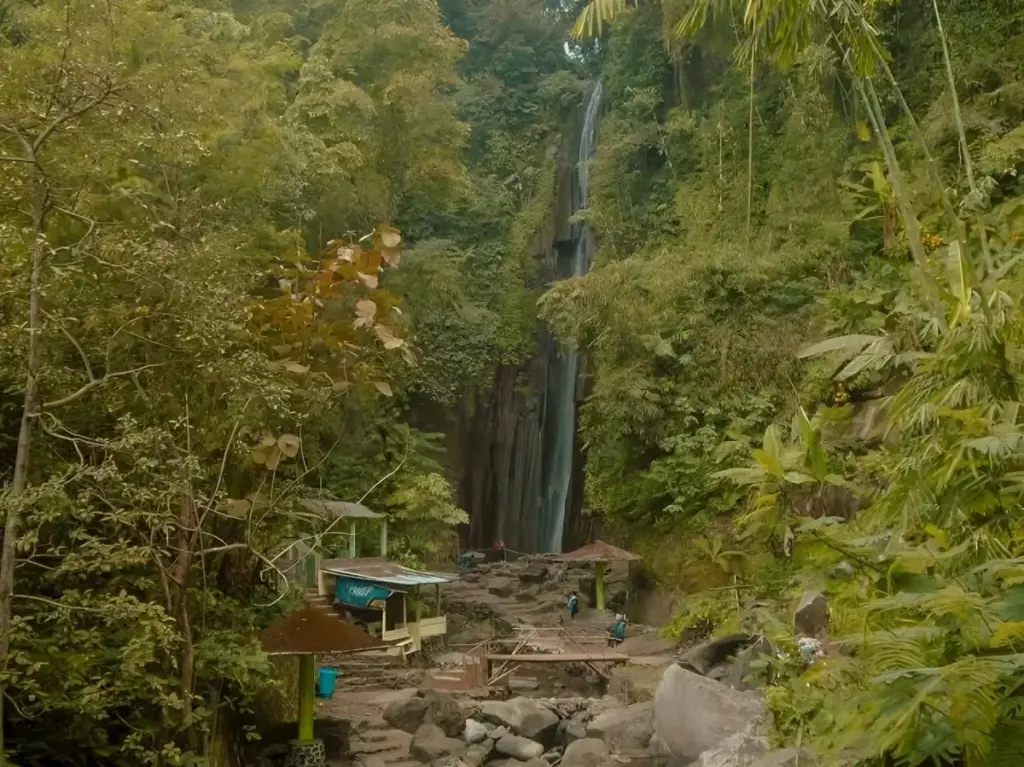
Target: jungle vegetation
point(243, 243)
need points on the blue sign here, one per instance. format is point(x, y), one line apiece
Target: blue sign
point(361, 593)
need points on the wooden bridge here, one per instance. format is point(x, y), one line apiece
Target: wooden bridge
point(484, 666)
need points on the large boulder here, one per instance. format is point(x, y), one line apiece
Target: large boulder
point(694, 714)
point(429, 743)
point(625, 730)
point(746, 750)
point(518, 747)
point(406, 715)
point(523, 716)
point(588, 752)
point(431, 707)
point(811, 616)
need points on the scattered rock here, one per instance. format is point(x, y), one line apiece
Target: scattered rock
point(429, 743)
point(587, 752)
point(406, 715)
point(534, 573)
point(519, 748)
point(693, 714)
point(477, 754)
point(811, 617)
point(474, 732)
point(448, 761)
point(499, 732)
point(524, 716)
point(624, 730)
point(503, 589)
point(431, 707)
point(444, 711)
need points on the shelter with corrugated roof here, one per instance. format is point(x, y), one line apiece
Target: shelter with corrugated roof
point(400, 605)
point(600, 554)
point(392, 602)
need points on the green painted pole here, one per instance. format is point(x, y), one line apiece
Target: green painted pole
point(307, 697)
point(352, 541)
point(599, 584)
point(384, 539)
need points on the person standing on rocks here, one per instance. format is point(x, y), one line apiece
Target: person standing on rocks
point(617, 634)
point(573, 604)
point(499, 548)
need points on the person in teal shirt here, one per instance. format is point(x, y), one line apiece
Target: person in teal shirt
point(618, 632)
point(573, 604)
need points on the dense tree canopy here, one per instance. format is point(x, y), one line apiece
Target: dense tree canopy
point(249, 249)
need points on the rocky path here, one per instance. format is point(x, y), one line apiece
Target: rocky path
point(374, 743)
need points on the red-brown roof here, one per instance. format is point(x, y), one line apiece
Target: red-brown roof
point(599, 551)
point(312, 630)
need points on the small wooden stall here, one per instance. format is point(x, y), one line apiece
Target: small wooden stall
point(388, 598)
point(306, 633)
point(600, 554)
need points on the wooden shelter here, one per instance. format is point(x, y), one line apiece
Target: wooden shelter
point(350, 511)
point(385, 591)
point(600, 553)
point(305, 633)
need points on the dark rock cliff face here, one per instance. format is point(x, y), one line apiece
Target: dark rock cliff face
point(503, 435)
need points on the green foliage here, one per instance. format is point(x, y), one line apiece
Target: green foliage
point(187, 369)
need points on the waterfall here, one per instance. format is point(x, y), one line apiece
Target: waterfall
point(566, 372)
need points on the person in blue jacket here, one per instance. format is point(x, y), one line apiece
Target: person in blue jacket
point(573, 604)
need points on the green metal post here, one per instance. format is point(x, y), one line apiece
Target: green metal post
point(384, 539)
point(599, 584)
point(352, 541)
point(307, 697)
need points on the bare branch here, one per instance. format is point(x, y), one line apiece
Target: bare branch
point(72, 114)
point(86, 388)
point(226, 547)
point(8, 158)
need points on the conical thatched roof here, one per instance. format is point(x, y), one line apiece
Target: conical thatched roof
point(310, 630)
point(599, 551)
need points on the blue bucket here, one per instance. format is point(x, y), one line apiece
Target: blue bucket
point(325, 682)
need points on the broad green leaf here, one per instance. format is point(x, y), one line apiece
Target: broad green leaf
point(851, 343)
point(296, 367)
point(383, 387)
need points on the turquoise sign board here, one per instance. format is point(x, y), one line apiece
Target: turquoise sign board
point(361, 593)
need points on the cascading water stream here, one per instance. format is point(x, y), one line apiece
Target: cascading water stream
point(566, 373)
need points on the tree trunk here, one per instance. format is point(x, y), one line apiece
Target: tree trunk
point(19, 482)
